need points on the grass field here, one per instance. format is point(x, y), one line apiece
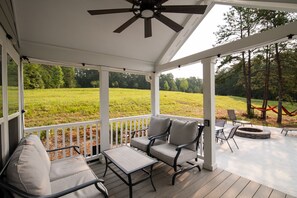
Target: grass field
point(54, 106)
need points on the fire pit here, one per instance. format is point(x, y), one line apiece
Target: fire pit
point(252, 132)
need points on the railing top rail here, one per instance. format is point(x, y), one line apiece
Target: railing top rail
point(129, 118)
point(32, 129)
point(182, 117)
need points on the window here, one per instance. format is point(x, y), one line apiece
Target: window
point(13, 89)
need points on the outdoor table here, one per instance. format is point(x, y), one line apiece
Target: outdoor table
point(129, 161)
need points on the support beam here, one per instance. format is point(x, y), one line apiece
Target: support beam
point(104, 109)
point(155, 94)
point(257, 40)
point(209, 113)
point(281, 5)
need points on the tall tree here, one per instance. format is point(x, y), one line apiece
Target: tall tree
point(84, 77)
point(273, 19)
point(32, 77)
point(195, 85)
point(184, 85)
point(52, 76)
point(240, 23)
point(69, 77)
point(166, 86)
point(56, 76)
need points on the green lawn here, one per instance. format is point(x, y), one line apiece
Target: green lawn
point(54, 106)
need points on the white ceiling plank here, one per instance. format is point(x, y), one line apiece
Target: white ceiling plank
point(257, 40)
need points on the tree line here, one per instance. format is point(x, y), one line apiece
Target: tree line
point(38, 76)
point(268, 72)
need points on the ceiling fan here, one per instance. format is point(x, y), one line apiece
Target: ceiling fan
point(148, 9)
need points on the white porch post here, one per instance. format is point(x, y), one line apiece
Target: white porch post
point(155, 94)
point(104, 109)
point(209, 113)
point(22, 95)
point(4, 126)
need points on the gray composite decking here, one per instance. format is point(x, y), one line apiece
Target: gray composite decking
point(219, 183)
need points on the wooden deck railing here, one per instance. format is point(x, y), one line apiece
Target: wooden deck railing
point(83, 134)
point(121, 128)
point(87, 134)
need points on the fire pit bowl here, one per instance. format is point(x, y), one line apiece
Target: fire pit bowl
point(252, 132)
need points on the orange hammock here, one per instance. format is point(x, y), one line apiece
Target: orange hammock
point(263, 109)
point(292, 113)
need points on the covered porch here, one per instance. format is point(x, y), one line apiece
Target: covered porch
point(43, 37)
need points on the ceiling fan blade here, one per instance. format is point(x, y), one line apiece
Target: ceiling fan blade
point(147, 27)
point(110, 11)
point(173, 25)
point(187, 9)
point(127, 24)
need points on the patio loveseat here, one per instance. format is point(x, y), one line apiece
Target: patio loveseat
point(30, 173)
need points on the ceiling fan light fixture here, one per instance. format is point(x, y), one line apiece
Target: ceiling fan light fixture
point(147, 13)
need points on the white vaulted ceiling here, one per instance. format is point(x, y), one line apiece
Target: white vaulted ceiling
point(48, 29)
point(63, 31)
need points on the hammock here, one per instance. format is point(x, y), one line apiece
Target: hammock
point(264, 109)
point(288, 113)
point(293, 113)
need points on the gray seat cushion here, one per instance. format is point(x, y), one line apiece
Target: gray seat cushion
point(67, 166)
point(158, 126)
point(183, 132)
point(143, 142)
point(75, 180)
point(166, 153)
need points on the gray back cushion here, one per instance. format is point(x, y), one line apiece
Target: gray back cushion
point(27, 172)
point(183, 132)
point(158, 125)
point(35, 140)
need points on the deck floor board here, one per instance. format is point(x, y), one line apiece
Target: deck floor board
point(218, 183)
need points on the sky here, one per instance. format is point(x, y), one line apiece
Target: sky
point(201, 39)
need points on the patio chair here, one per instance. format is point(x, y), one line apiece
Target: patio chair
point(181, 148)
point(287, 129)
point(231, 134)
point(158, 126)
point(232, 117)
point(219, 123)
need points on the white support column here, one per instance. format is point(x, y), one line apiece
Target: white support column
point(209, 113)
point(104, 109)
point(155, 94)
point(21, 99)
point(4, 129)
